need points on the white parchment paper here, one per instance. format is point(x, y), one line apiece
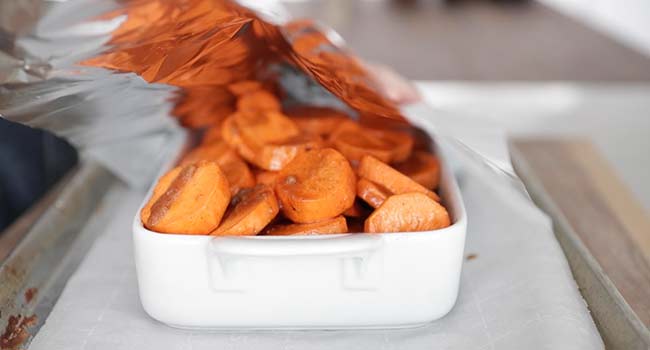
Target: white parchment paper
point(516, 293)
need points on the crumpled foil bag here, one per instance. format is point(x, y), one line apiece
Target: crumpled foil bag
point(117, 78)
point(107, 75)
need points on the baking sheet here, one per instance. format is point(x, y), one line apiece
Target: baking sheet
point(516, 292)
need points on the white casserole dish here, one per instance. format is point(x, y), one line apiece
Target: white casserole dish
point(391, 280)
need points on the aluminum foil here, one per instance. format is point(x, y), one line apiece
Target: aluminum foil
point(102, 73)
point(106, 73)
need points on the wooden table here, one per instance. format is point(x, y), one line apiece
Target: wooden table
point(603, 230)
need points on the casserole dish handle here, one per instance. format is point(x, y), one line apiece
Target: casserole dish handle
point(359, 254)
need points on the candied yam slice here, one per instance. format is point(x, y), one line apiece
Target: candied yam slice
point(317, 120)
point(252, 210)
point(371, 192)
point(232, 137)
point(159, 190)
point(270, 140)
point(212, 134)
point(400, 143)
point(244, 87)
point(354, 143)
point(193, 203)
point(260, 100)
point(204, 106)
point(423, 168)
point(238, 174)
point(330, 226)
point(202, 119)
point(316, 185)
point(275, 157)
point(407, 212)
point(383, 174)
point(265, 127)
point(219, 152)
point(266, 177)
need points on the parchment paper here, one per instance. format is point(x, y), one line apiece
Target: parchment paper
point(516, 292)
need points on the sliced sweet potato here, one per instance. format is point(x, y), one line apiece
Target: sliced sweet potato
point(202, 119)
point(252, 210)
point(423, 168)
point(232, 137)
point(330, 226)
point(383, 174)
point(236, 170)
point(407, 212)
point(244, 87)
point(238, 174)
point(265, 127)
point(256, 101)
point(316, 120)
point(266, 177)
point(386, 145)
point(354, 143)
point(316, 185)
point(219, 152)
point(204, 106)
point(371, 192)
point(275, 156)
point(212, 134)
point(400, 142)
point(159, 190)
point(193, 202)
point(269, 140)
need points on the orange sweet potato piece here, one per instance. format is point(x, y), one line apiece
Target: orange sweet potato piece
point(423, 168)
point(252, 210)
point(219, 152)
point(159, 190)
point(316, 185)
point(400, 142)
point(258, 101)
point(386, 145)
point(270, 152)
point(213, 134)
point(232, 136)
point(384, 175)
point(272, 156)
point(407, 212)
point(371, 192)
point(330, 226)
point(266, 177)
point(316, 120)
point(265, 127)
point(244, 87)
point(354, 143)
point(192, 203)
point(203, 106)
point(237, 172)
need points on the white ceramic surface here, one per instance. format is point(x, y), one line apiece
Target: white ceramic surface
point(342, 281)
